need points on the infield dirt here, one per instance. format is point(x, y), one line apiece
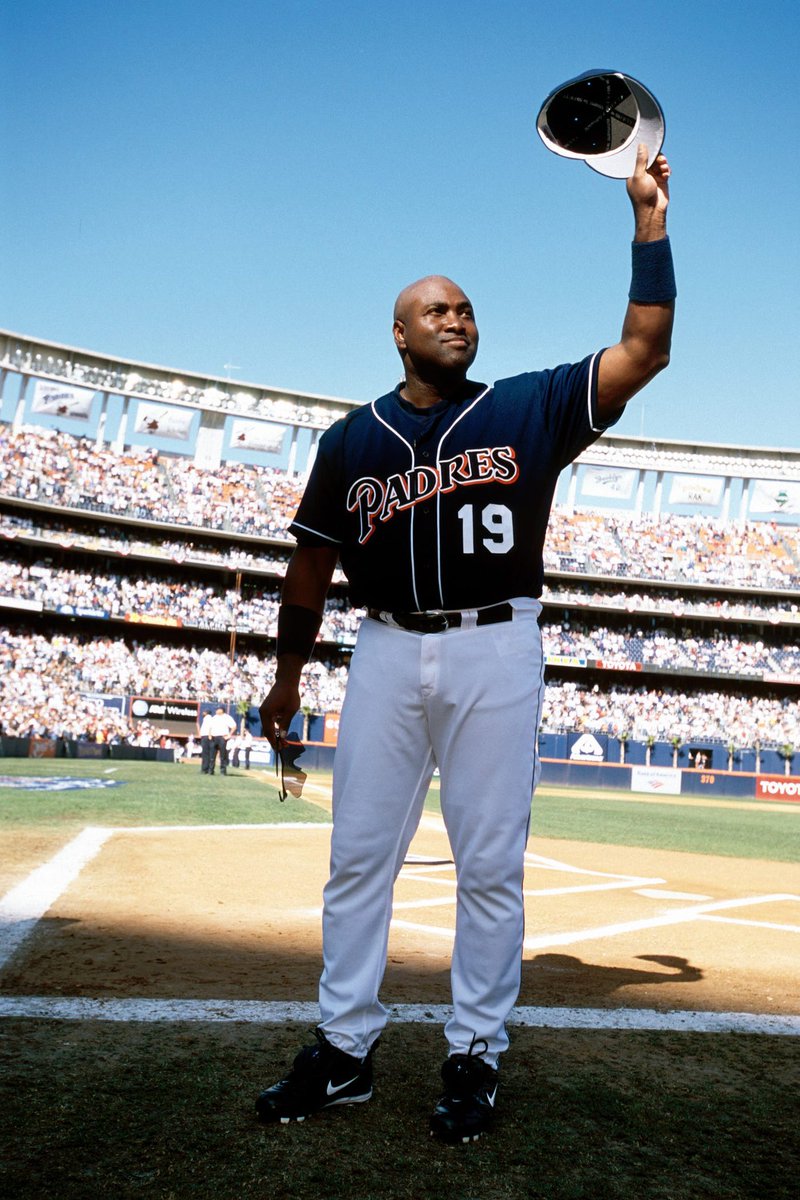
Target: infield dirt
point(235, 914)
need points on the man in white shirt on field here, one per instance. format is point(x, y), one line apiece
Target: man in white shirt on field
point(221, 727)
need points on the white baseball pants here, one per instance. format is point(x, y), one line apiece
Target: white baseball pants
point(468, 701)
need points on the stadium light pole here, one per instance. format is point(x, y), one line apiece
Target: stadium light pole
point(235, 621)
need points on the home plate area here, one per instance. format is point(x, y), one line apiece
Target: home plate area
point(233, 914)
point(623, 926)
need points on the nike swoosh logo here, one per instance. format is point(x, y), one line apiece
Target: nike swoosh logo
point(332, 1088)
point(491, 1098)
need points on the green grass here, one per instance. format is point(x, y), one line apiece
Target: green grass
point(165, 1111)
point(737, 830)
point(149, 794)
point(93, 1111)
point(168, 794)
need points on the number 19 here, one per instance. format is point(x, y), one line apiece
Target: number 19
point(496, 520)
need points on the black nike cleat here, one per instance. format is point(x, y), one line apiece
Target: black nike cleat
point(466, 1109)
point(322, 1076)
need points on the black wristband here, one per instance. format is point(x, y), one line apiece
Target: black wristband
point(297, 630)
point(652, 274)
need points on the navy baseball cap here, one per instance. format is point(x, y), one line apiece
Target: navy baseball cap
point(601, 117)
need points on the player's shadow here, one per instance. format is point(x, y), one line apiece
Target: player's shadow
point(563, 977)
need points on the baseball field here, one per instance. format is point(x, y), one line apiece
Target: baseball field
point(159, 950)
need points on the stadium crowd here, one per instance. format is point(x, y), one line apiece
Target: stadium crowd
point(176, 601)
point(722, 653)
point(700, 550)
point(117, 541)
point(667, 713)
point(160, 600)
point(57, 468)
point(50, 686)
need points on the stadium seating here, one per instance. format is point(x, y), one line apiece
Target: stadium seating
point(689, 602)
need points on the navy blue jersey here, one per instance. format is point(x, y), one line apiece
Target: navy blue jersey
point(447, 507)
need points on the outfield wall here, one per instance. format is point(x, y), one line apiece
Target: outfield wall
point(658, 780)
point(655, 780)
point(19, 747)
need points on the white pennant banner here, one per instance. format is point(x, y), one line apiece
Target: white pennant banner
point(613, 483)
point(163, 420)
point(61, 400)
point(774, 496)
point(695, 489)
point(258, 435)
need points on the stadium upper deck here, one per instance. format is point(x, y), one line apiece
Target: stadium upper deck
point(213, 420)
point(688, 555)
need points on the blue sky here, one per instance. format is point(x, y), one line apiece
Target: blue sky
point(197, 183)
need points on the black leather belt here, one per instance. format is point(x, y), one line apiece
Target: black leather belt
point(436, 621)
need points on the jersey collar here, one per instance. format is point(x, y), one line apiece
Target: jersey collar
point(469, 392)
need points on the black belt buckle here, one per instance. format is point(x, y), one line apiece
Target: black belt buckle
point(424, 622)
point(435, 622)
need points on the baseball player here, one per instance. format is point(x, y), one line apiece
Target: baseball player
point(435, 498)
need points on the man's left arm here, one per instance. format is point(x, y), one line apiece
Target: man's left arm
point(643, 348)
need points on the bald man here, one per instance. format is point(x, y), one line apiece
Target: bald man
point(435, 499)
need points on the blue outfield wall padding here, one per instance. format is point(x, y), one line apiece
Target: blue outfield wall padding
point(316, 727)
point(773, 764)
point(582, 774)
point(563, 773)
point(14, 747)
point(316, 757)
point(718, 783)
point(556, 771)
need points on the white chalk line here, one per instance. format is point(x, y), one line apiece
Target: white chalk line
point(553, 864)
point(677, 917)
point(661, 894)
point(24, 905)
point(756, 924)
point(259, 1012)
point(528, 893)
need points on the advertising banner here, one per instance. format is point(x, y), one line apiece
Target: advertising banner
point(61, 400)
point(261, 754)
point(74, 610)
point(695, 489)
point(774, 496)
point(153, 619)
point(778, 787)
point(117, 702)
point(661, 781)
point(18, 602)
point(163, 420)
point(587, 747)
point(609, 483)
point(176, 716)
point(564, 660)
point(330, 735)
point(257, 435)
